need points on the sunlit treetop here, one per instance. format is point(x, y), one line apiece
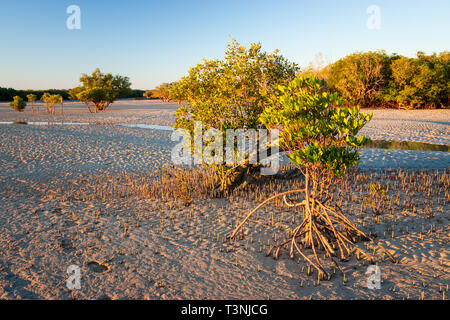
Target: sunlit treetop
point(231, 93)
point(315, 130)
point(100, 89)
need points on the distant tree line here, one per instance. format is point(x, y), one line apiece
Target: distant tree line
point(136, 93)
point(376, 79)
point(8, 94)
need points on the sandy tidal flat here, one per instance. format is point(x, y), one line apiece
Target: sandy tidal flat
point(130, 247)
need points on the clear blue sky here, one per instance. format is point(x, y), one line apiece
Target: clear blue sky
point(157, 41)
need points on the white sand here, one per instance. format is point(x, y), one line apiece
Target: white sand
point(179, 258)
point(428, 126)
point(104, 145)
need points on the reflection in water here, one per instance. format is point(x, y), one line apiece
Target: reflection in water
point(148, 126)
point(407, 145)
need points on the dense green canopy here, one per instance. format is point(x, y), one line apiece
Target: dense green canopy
point(314, 129)
point(375, 79)
point(101, 90)
point(18, 104)
point(231, 93)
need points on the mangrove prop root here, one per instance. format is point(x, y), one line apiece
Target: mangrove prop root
point(322, 227)
point(260, 205)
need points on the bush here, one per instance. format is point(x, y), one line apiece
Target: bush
point(360, 77)
point(32, 98)
point(51, 100)
point(101, 90)
point(374, 79)
point(420, 82)
point(320, 138)
point(314, 131)
point(148, 94)
point(18, 104)
point(99, 97)
point(163, 91)
point(230, 94)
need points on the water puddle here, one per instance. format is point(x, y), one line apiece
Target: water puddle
point(147, 126)
point(407, 145)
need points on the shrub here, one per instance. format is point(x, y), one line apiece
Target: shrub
point(373, 79)
point(51, 100)
point(231, 94)
point(148, 94)
point(359, 77)
point(163, 91)
point(320, 138)
point(99, 97)
point(420, 82)
point(101, 90)
point(46, 98)
point(18, 104)
point(31, 98)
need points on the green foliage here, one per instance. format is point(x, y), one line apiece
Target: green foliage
point(373, 79)
point(50, 101)
point(419, 82)
point(18, 104)
point(99, 97)
point(56, 98)
point(148, 94)
point(31, 97)
point(46, 98)
point(230, 93)
point(73, 93)
point(7, 94)
point(314, 129)
point(136, 93)
point(163, 91)
point(360, 76)
point(101, 90)
point(320, 137)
